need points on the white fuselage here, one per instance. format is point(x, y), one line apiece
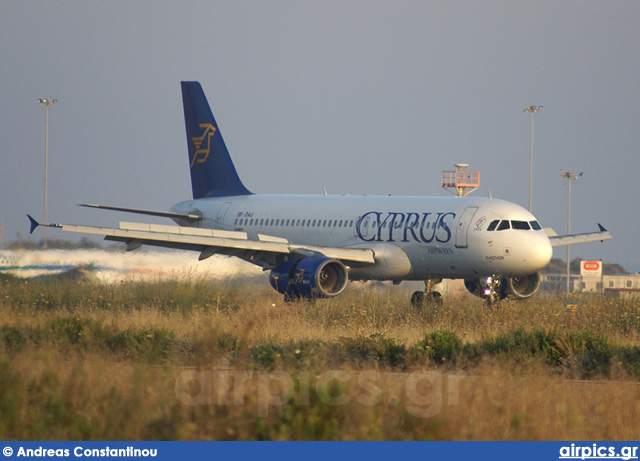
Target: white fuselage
point(413, 238)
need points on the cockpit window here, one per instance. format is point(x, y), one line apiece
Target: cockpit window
point(493, 225)
point(521, 225)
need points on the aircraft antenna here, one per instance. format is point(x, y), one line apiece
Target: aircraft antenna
point(462, 182)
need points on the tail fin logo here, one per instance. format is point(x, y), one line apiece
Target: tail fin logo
point(201, 154)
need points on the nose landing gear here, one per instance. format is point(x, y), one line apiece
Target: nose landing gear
point(491, 290)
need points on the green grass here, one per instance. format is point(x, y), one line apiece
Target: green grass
point(97, 361)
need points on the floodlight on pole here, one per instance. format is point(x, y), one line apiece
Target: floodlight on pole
point(531, 110)
point(571, 177)
point(46, 103)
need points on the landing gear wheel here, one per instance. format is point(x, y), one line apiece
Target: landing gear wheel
point(417, 299)
point(288, 299)
point(491, 301)
point(436, 297)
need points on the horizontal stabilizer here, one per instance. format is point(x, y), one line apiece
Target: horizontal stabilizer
point(572, 239)
point(162, 214)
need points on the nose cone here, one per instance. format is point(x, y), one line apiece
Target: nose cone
point(537, 252)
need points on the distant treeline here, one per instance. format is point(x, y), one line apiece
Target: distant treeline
point(559, 266)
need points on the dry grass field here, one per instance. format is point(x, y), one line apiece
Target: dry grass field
point(202, 360)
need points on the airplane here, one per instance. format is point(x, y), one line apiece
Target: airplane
point(313, 245)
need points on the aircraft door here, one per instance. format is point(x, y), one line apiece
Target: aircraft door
point(463, 226)
point(221, 213)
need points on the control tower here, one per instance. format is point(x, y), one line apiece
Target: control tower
point(462, 182)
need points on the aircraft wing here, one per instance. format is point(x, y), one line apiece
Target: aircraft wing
point(265, 251)
point(564, 240)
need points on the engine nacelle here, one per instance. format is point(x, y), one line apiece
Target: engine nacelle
point(522, 287)
point(310, 278)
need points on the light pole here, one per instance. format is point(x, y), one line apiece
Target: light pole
point(532, 110)
point(46, 103)
point(571, 177)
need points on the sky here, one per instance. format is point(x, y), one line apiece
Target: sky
point(355, 97)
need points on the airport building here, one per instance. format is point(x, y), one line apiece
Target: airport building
point(592, 280)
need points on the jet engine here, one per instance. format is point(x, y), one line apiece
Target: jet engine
point(521, 287)
point(309, 278)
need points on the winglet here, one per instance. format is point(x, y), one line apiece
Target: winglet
point(34, 223)
point(602, 229)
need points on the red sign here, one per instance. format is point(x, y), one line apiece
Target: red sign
point(591, 267)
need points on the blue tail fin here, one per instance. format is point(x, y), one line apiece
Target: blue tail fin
point(212, 171)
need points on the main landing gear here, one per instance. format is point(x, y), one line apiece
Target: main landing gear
point(429, 295)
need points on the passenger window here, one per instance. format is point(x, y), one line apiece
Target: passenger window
point(520, 225)
point(504, 225)
point(535, 225)
point(493, 225)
